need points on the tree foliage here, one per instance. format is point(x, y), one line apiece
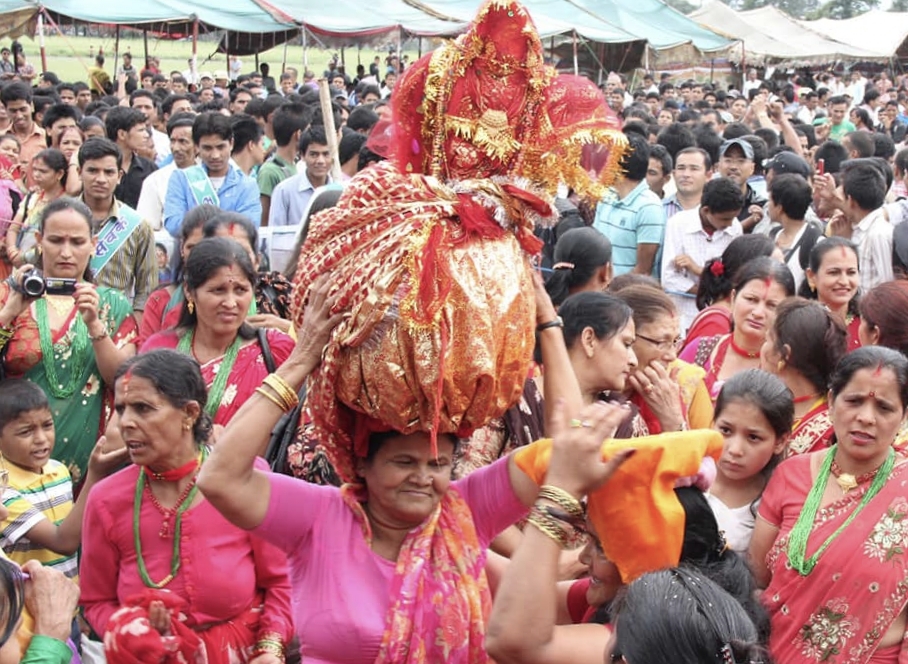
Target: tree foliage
point(686, 7)
point(841, 9)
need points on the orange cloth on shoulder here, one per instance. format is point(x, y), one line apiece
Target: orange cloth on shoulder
point(636, 514)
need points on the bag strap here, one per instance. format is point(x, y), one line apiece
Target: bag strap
point(262, 335)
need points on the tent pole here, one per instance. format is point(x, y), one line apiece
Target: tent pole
point(284, 61)
point(343, 61)
point(193, 67)
point(145, 41)
point(116, 50)
point(576, 61)
point(41, 42)
point(419, 47)
point(743, 65)
point(227, 53)
point(305, 49)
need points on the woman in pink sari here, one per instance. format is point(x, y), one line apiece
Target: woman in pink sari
point(831, 537)
point(219, 282)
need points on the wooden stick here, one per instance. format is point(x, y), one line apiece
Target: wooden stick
point(324, 97)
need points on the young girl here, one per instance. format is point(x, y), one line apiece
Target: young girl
point(754, 413)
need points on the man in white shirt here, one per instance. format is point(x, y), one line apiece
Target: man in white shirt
point(807, 113)
point(864, 191)
point(154, 187)
point(290, 198)
point(694, 236)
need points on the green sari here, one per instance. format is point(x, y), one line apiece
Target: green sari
point(78, 419)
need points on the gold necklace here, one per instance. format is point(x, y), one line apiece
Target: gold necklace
point(62, 304)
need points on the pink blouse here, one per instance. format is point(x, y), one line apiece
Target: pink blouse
point(340, 586)
point(222, 567)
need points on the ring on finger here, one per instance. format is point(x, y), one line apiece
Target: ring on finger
point(648, 389)
point(580, 423)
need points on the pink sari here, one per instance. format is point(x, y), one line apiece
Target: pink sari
point(840, 612)
point(440, 596)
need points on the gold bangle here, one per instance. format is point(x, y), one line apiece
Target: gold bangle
point(549, 527)
point(282, 389)
point(272, 399)
point(99, 337)
point(563, 499)
point(287, 404)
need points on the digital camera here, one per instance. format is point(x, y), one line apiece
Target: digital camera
point(35, 284)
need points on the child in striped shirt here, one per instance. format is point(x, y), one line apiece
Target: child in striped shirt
point(43, 523)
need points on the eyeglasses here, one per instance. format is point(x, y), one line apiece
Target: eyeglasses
point(664, 346)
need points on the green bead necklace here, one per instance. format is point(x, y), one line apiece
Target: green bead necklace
point(797, 542)
point(177, 529)
point(80, 354)
point(216, 393)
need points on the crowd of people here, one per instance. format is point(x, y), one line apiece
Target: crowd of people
point(547, 403)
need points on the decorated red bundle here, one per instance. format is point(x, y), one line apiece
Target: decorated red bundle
point(430, 251)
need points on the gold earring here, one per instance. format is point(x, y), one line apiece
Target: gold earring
point(780, 366)
point(190, 306)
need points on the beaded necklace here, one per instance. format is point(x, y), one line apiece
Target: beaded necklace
point(80, 355)
point(216, 393)
point(183, 504)
point(797, 543)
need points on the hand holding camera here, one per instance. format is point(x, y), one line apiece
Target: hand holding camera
point(27, 284)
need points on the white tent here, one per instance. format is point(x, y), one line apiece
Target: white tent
point(879, 32)
point(769, 35)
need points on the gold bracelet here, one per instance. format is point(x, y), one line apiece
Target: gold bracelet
point(549, 527)
point(272, 399)
point(99, 337)
point(272, 646)
point(282, 388)
point(563, 499)
point(288, 403)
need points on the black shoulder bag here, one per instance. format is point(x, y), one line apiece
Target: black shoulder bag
point(285, 431)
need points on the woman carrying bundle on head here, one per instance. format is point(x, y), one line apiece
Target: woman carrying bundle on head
point(415, 308)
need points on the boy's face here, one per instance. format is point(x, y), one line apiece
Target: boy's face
point(28, 440)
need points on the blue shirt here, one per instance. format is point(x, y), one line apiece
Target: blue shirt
point(635, 219)
point(290, 199)
point(238, 193)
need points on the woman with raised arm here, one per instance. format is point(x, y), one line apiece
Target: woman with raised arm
point(403, 526)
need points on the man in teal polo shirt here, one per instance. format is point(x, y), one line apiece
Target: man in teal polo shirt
point(631, 216)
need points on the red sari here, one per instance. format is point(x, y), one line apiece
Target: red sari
point(812, 432)
point(248, 371)
point(840, 612)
